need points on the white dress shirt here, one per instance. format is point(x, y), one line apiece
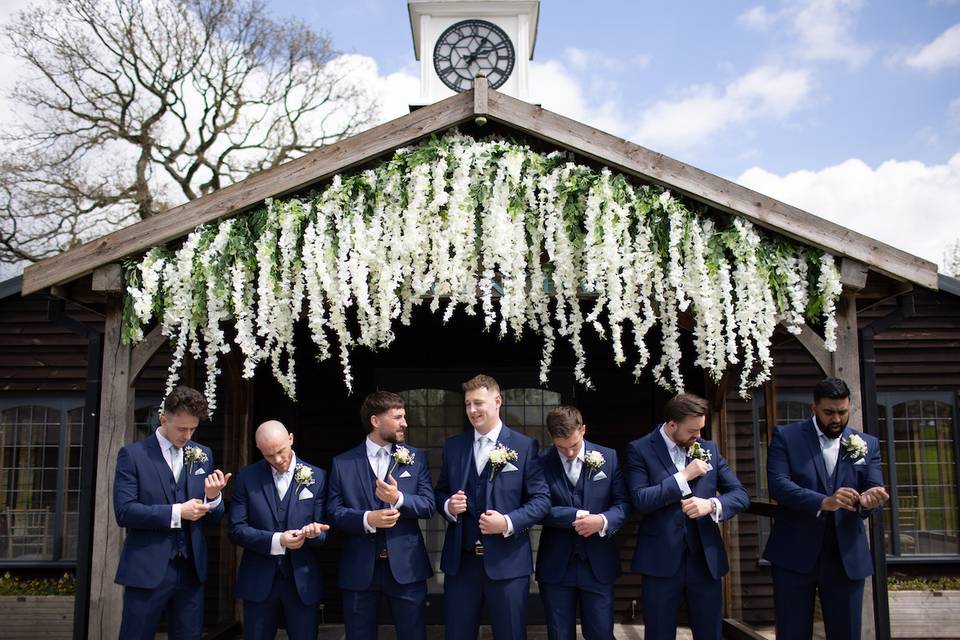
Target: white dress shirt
point(493, 435)
point(373, 455)
point(176, 522)
point(282, 481)
point(829, 447)
point(679, 456)
point(580, 457)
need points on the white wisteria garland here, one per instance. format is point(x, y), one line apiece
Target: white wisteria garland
point(529, 240)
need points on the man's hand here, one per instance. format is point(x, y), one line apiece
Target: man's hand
point(292, 539)
point(215, 483)
point(383, 518)
point(493, 522)
point(845, 498)
point(874, 497)
point(193, 510)
point(314, 529)
point(457, 504)
point(695, 469)
point(389, 493)
point(588, 525)
point(695, 508)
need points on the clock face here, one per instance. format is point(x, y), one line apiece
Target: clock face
point(471, 48)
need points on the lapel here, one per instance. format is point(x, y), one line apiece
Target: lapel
point(844, 463)
point(559, 475)
point(467, 465)
point(504, 439)
point(160, 464)
point(587, 475)
point(811, 435)
point(191, 479)
point(660, 449)
point(365, 475)
point(269, 488)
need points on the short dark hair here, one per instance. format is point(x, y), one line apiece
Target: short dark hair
point(563, 420)
point(685, 405)
point(831, 388)
point(480, 381)
point(184, 399)
point(377, 403)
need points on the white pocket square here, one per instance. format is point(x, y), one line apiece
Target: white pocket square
point(509, 467)
point(199, 472)
point(405, 474)
point(600, 476)
point(305, 494)
point(861, 461)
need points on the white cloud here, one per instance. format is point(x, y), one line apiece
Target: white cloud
point(705, 110)
point(558, 89)
point(942, 53)
point(757, 18)
point(395, 91)
point(908, 204)
point(953, 113)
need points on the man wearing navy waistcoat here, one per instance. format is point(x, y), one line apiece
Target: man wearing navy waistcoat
point(492, 490)
point(165, 489)
point(276, 516)
point(379, 492)
point(578, 560)
point(826, 479)
point(683, 488)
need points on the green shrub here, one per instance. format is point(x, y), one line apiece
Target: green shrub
point(923, 584)
point(64, 586)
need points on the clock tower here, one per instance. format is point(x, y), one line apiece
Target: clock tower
point(456, 40)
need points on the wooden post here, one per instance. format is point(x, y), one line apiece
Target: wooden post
point(116, 429)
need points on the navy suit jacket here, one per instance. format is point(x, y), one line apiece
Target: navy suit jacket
point(607, 495)
point(353, 491)
point(522, 495)
point(143, 504)
point(797, 477)
point(254, 519)
point(656, 496)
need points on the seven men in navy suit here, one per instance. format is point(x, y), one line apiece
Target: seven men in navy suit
point(276, 516)
point(379, 492)
point(165, 488)
point(826, 478)
point(578, 560)
point(492, 490)
point(683, 488)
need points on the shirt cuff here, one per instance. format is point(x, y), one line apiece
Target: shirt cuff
point(718, 514)
point(213, 504)
point(366, 523)
point(603, 531)
point(509, 531)
point(446, 511)
point(175, 520)
point(682, 483)
point(581, 513)
point(399, 502)
point(276, 549)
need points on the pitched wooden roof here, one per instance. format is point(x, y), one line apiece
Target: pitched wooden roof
point(497, 107)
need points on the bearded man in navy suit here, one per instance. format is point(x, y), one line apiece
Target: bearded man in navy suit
point(578, 560)
point(276, 516)
point(683, 488)
point(826, 479)
point(165, 489)
point(492, 490)
point(379, 492)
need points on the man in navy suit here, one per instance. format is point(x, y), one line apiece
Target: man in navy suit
point(492, 490)
point(683, 488)
point(276, 516)
point(826, 478)
point(165, 488)
point(578, 560)
point(379, 491)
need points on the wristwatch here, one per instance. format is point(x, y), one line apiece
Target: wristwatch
point(713, 506)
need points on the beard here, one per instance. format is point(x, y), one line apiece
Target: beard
point(828, 431)
point(394, 438)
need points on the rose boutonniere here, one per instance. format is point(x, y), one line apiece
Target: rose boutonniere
point(401, 457)
point(500, 456)
point(697, 452)
point(855, 446)
point(594, 461)
point(303, 476)
point(192, 455)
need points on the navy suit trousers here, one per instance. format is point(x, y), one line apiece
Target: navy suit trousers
point(262, 619)
point(704, 597)
point(506, 602)
point(179, 595)
point(407, 606)
point(578, 586)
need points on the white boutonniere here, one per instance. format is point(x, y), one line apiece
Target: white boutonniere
point(699, 453)
point(401, 456)
point(855, 446)
point(594, 461)
point(192, 455)
point(303, 476)
point(499, 456)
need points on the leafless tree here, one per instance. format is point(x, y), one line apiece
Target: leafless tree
point(951, 259)
point(130, 107)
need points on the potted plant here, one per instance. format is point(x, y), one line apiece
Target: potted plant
point(924, 607)
point(31, 606)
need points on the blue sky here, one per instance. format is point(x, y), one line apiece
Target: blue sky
point(848, 108)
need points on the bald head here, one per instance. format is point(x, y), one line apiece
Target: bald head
point(276, 444)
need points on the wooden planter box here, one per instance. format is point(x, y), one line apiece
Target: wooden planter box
point(30, 617)
point(925, 614)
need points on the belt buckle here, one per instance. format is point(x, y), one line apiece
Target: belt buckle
point(478, 549)
point(383, 554)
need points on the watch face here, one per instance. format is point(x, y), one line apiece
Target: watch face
point(471, 48)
